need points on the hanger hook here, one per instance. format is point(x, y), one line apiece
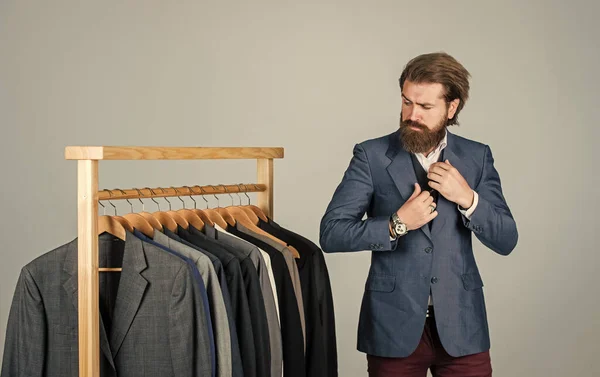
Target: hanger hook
point(225, 188)
point(191, 192)
point(165, 198)
point(103, 207)
point(203, 193)
point(179, 197)
point(124, 193)
point(215, 195)
point(153, 193)
point(140, 199)
point(246, 193)
point(239, 185)
point(109, 202)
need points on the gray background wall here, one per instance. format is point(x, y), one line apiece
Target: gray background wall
point(316, 79)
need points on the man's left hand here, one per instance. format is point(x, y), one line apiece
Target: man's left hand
point(447, 180)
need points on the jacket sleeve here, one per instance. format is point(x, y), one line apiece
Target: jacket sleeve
point(342, 227)
point(188, 339)
point(26, 331)
point(492, 221)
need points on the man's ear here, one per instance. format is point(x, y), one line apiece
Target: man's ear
point(452, 107)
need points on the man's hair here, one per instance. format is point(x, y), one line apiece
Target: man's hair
point(441, 68)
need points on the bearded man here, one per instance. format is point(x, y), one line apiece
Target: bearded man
point(424, 191)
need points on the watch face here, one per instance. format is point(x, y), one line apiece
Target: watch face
point(400, 228)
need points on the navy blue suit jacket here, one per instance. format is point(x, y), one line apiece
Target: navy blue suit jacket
point(378, 181)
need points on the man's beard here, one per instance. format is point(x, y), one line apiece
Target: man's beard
point(424, 140)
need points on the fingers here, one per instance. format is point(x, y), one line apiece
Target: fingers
point(438, 170)
point(442, 165)
point(423, 195)
point(432, 177)
point(428, 201)
point(435, 185)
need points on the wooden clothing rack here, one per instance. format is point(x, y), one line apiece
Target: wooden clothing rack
point(87, 217)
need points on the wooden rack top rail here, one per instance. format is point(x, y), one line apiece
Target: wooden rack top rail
point(169, 153)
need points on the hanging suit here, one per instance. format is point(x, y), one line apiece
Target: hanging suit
point(154, 327)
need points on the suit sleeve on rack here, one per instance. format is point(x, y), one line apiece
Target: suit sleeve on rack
point(26, 333)
point(342, 227)
point(188, 339)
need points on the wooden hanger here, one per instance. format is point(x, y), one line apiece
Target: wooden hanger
point(116, 226)
point(138, 222)
point(163, 218)
point(175, 216)
point(257, 211)
point(254, 213)
point(179, 220)
point(240, 216)
point(110, 225)
point(115, 219)
point(213, 216)
point(190, 216)
point(146, 215)
point(246, 208)
point(201, 214)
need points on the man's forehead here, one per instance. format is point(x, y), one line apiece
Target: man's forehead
point(422, 91)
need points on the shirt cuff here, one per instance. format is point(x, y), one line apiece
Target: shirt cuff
point(469, 211)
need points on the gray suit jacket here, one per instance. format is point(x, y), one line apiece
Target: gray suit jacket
point(267, 290)
point(378, 181)
point(215, 297)
point(292, 267)
point(155, 327)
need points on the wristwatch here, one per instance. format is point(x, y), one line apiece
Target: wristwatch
point(398, 226)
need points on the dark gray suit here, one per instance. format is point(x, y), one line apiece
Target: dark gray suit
point(265, 285)
point(152, 317)
point(378, 181)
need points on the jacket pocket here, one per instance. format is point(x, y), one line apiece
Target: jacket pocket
point(380, 283)
point(472, 281)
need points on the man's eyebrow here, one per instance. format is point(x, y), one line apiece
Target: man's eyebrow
point(420, 104)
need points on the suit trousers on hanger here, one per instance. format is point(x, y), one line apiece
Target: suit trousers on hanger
point(430, 354)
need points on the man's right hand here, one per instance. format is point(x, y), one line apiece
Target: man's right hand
point(416, 211)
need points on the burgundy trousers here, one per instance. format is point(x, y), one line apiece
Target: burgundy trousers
point(430, 354)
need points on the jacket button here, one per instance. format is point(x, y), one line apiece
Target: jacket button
point(428, 250)
point(434, 280)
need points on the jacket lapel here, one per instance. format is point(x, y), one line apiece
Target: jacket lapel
point(402, 172)
point(132, 286)
point(70, 287)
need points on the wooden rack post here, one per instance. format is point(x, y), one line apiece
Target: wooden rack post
point(87, 219)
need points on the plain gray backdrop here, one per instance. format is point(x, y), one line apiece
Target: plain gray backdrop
point(316, 79)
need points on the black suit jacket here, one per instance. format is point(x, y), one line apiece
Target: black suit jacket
point(291, 328)
point(256, 304)
point(321, 347)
